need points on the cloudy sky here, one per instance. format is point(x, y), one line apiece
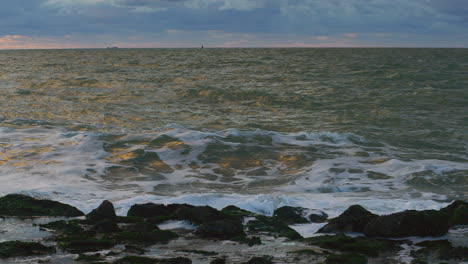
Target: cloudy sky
point(233, 23)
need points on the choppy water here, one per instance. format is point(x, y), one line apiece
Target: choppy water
point(260, 128)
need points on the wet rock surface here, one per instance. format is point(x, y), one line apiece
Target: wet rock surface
point(19, 248)
point(22, 205)
point(219, 236)
point(354, 219)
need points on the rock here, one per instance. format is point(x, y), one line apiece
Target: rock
point(204, 214)
point(221, 229)
point(250, 241)
point(440, 249)
point(22, 205)
point(66, 227)
point(260, 260)
point(106, 226)
point(148, 210)
point(408, 223)
point(160, 212)
point(290, 215)
point(81, 245)
point(89, 258)
point(348, 258)
point(200, 252)
point(104, 211)
point(272, 226)
point(141, 227)
point(235, 211)
point(218, 261)
point(145, 260)
point(365, 246)
point(146, 238)
point(354, 219)
point(22, 249)
point(457, 213)
point(316, 216)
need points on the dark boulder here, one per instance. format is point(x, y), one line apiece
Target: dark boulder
point(218, 261)
point(204, 214)
point(408, 223)
point(106, 226)
point(23, 205)
point(259, 260)
point(354, 219)
point(235, 211)
point(316, 216)
point(361, 245)
point(21, 249)
point(290, 215)
point(148, 210)
point(272, 226)
point(81, 245)
point(156, 236)
point(221, 229)
point(347, 258)
point(160, 212)
point(440, 249)
point(146, 260)
point(456, 213)
point(104, 211)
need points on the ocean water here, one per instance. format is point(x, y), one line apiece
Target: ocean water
point(257, 128)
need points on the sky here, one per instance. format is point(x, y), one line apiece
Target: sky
point(37, 24)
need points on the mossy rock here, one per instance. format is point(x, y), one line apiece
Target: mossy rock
point(145, 260)
point(218, 261)
point(148, 238)
point(353, 219)
point(408, 223)
point(369, 247)
point(89, 258)
point(272, 226)
point(65, 227)
point(290, 215)
point(234, 211)
point(348, 258)
point(221, 229)
point(82, 245)
point(106, 226)
point(129, 219)
point(23, 205)
point(250, 241)
point(260, 260)
point(22, 249)
point(440, 249)
point(104, 211)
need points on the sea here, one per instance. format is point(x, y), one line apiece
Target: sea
point(321, 128)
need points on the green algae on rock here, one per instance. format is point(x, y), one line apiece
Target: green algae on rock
point(23, 249)
point(366, 246)
point(23, 205)
point(347, 258)
point(146, 260)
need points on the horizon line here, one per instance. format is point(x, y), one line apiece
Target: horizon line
point(265, 47)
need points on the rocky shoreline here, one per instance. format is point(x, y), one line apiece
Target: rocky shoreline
point(182, 233)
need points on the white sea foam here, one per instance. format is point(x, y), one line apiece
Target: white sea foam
point(69, 166)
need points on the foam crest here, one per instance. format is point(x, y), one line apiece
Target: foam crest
point(49, 160)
